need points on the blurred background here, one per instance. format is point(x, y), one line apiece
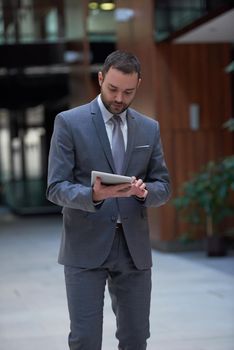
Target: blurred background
point(50, 53)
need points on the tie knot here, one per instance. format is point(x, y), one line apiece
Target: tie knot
point(116, 119)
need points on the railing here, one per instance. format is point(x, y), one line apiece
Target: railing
point(172, 16)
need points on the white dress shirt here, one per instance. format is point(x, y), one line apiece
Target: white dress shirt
point(109, 125)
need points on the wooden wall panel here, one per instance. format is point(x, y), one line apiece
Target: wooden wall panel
point(135, 35)
point(194, 76)
point(174, 76)
point(193, 149)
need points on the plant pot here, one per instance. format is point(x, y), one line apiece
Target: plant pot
point(216, 246)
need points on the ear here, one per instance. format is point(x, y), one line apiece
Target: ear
point(139, 82)
point(100, 78)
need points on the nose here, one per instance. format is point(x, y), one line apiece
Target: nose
point(119, 97)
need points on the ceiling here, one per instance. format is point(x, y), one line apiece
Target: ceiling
point(220, 29)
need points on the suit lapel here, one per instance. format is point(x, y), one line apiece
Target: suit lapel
point(131, 138)
point(101, 132)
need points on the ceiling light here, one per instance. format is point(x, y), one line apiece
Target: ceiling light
point(93, 5)
point(107, 6)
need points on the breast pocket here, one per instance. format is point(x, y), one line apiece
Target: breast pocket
point(142, 148)
point(139, 160)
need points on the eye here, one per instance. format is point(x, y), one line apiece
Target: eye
point(128, 92)
point(112, 89)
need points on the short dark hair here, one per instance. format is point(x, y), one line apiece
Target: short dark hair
point(124, 61)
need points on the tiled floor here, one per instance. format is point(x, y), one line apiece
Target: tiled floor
point(192, 300)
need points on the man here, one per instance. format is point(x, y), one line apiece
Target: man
point(105, 228)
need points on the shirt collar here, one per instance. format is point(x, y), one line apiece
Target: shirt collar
point(106, 114)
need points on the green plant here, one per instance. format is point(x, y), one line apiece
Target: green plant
point(207, 198)
point(229, 124)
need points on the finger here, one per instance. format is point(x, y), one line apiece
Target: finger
point(123, 186)
point(124, 190)
point(98, 180)
point(138, 183)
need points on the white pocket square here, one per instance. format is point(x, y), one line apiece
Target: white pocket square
point(143, 146)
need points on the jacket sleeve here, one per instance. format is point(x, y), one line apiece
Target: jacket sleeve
point(62, 188)
point(157, 177)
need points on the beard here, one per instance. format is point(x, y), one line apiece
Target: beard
point(113, 106)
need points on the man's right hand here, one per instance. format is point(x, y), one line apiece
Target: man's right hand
point(102, 192)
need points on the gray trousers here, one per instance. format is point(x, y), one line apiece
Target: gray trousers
point(130, 291)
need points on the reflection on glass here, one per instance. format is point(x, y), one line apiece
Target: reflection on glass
point(32, 144)
point(171, 16)
point(4, 146)
point(28, 21)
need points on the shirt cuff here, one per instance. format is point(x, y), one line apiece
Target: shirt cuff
point(97, 203)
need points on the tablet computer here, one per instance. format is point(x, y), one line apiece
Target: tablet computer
point(109, 179)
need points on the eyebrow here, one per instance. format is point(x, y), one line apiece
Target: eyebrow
point(115, 87)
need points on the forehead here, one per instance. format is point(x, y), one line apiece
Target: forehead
point(121, 80)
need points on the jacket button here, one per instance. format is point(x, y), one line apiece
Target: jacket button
point(113, 219)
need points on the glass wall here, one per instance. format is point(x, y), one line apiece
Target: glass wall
point(174, 15)
point(29, 21)
point(44, 46)
point(34, 87)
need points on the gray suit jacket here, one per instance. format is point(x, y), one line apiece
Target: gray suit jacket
point(79, 145)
